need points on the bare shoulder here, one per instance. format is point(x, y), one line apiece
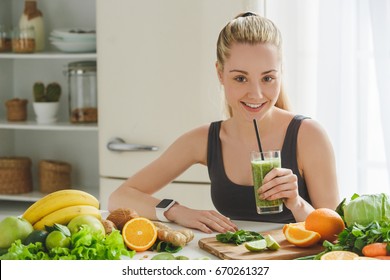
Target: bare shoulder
point(197, 134)
point(313, 140)
point(193, 143)
point(310, 130)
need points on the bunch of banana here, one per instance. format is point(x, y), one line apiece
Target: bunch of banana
point(60, 207)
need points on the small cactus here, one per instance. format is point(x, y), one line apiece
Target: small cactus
point(52, 92)
point(39, 92)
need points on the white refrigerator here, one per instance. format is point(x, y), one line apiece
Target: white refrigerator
point(157, 80)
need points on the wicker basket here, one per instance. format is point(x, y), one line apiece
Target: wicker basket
point(15, 175)
point(16, 109)
point(54, 175)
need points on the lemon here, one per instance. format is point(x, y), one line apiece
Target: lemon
point(256, 246)
point(271, 243)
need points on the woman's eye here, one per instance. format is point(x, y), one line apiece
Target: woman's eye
point(267, 79)
point(240, 79)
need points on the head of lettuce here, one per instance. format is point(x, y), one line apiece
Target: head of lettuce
point(366, 208)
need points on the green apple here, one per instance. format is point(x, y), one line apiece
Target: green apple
point(94, 223)
point(13, 228)
point(57, 239)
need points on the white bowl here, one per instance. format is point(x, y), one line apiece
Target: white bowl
point(74, 33)
point(71, 39)
point(75, 46)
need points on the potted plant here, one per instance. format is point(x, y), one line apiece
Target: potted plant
point(46, 100)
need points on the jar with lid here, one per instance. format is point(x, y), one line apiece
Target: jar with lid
point(82, 92)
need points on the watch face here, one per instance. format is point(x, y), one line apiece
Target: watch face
point(164, 203)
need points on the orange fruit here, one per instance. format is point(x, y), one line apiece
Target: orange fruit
point(339, 255)
point(301, 237)
point(139, 234)
point(299, 224)
point(326, 222)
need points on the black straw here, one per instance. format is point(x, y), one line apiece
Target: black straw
point(258, 139)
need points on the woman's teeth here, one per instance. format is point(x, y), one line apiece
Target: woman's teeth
point(253, 106)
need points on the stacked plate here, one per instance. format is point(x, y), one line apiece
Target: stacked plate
point(74, 40)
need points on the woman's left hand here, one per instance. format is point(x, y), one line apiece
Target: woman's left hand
point(280, 183)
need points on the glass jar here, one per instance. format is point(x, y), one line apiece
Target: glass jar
point(5, 40)
point(23, 40)
point(82, 92)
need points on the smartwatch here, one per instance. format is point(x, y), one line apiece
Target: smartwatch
point(163, 206)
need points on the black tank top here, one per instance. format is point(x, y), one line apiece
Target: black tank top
point(238, 202)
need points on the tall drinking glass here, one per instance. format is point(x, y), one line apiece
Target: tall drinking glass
point(262, 163)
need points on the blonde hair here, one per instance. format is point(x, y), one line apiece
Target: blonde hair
point(249, 28)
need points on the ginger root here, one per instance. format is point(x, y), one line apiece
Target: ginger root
point(175, 237)
point(109, 226)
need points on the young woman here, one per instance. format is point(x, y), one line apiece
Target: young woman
point(249, 67)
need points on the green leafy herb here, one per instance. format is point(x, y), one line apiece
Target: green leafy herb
point(238, 237)
point(356, 236)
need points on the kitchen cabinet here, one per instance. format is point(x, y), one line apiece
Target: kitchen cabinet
point(157, 80)
point(72, 143)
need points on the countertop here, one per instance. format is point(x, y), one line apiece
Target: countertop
point(191, 250)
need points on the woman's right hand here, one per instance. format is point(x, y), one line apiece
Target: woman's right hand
point(203, 220)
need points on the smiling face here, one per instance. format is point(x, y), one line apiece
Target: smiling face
point(251, 77)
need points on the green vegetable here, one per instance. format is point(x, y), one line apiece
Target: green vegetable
point(238, 237)
point(306, 258)
point(365, 209)
point(355, 237)
point(163, 246)
point(85, 245)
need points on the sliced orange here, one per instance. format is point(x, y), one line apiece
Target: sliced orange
point(301, 237)
point(299, 224)
point(339, 255)
point(139, 234)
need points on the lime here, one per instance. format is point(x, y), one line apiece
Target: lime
point(271, 243)
point(181, 258)
point(163, 256)
point(57, 239)
point(256, 246)
point(36, 236)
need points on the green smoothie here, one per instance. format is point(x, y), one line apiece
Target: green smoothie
point(260, 168)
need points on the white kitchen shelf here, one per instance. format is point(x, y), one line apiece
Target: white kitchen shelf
point(58, 126)
point(76, 143)
point(48, 55)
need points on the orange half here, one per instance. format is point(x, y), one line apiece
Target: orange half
point(139, 234)
point(299, 224)
point(301, 237)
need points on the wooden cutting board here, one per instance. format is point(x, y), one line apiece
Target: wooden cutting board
point(287, 250)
